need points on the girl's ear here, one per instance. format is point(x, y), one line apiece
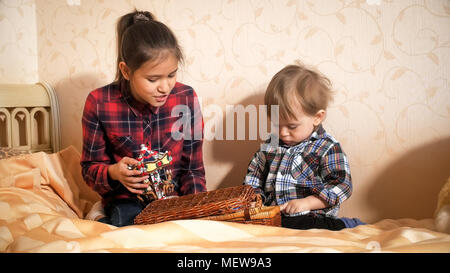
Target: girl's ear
point(319, 117)
point(125, 70)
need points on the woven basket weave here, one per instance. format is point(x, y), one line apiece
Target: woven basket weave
point(269, 216)
point(193, 206)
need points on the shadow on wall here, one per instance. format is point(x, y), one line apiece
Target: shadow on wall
point(237, 152)
point(409, 187)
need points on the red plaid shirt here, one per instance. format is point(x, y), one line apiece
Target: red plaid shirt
point(115, 125)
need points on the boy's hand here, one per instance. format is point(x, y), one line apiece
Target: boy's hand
point(294, 206)
point(311, 202)
point(131, 179)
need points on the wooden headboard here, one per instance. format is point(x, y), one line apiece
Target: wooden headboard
point(29, 117)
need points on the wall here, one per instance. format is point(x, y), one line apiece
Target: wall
point(388, 61)
point(18, 44)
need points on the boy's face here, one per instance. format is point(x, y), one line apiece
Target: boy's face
point(153, 81)
point(294, 131)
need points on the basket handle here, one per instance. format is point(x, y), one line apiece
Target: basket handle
point(258, 201)
point(247, 214)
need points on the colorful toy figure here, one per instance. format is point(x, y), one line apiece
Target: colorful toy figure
point(157, 167)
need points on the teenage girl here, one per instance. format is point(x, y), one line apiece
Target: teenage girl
point(137, 108)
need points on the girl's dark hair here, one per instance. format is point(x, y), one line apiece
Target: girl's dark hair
point(141, 38)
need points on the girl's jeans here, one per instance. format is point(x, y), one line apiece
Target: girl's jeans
point(121, 212)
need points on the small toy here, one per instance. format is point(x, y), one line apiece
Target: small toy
point(157, 167)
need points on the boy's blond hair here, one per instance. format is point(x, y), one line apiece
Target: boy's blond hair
point(309, 87)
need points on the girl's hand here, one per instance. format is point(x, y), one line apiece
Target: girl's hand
point(131, 179)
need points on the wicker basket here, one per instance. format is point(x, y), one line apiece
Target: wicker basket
point(193, 206)
point(269, 216)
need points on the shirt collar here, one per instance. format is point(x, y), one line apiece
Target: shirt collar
point(318, 133)
point(138, 108)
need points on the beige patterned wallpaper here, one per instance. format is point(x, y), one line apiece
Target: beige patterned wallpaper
point(389, 62)
point(18, 42)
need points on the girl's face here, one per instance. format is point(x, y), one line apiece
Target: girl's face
point(153, 81)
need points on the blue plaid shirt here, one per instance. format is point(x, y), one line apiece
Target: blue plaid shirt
point(316, 166)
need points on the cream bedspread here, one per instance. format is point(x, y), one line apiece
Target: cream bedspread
point(43, 200)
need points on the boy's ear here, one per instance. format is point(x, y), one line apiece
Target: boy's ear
point(319, 117)
point(124, 70)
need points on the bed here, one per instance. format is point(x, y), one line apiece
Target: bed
point(29, 118)
point(45, 206)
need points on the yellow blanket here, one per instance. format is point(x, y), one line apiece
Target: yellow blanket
point(43, 200)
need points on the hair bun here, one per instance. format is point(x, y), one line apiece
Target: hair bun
point(141, 17)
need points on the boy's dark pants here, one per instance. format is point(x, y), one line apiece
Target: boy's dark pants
point(309, 221)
